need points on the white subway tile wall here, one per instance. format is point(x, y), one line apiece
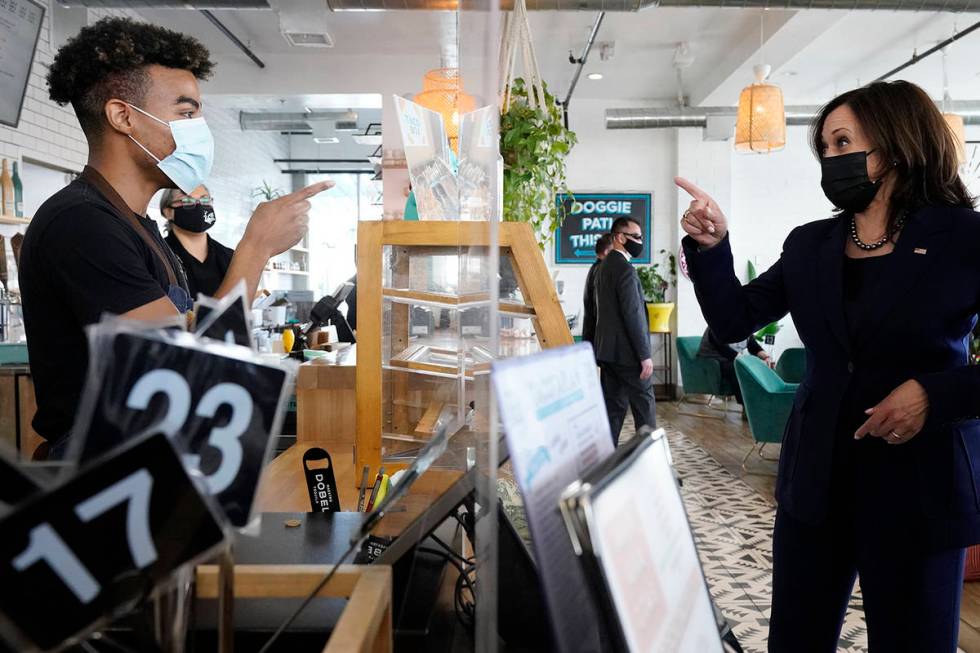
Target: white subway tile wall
point(50, 135)
point(47, 133)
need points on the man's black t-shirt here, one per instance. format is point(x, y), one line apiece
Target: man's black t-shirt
point(203, 277)
point(79, 259)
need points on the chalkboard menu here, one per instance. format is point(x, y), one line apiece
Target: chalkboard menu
point(20, 25)
point(589, 215)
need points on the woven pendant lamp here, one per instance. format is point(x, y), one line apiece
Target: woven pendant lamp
point(761, 123)
point(442, 91)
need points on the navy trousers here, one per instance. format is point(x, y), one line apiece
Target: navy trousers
point(911, 597)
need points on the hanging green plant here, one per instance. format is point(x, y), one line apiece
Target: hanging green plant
point(534, 144)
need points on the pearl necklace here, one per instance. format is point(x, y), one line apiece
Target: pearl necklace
point(878, 244)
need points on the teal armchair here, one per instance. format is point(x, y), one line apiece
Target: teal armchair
point(700, 376)
point(768, 401)
point(792, 365)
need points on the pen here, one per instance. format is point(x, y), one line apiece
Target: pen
point(403, 483)
point(364, 480)
point(374, 490)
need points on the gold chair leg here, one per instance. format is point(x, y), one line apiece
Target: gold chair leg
point(772, 460)
point(745, 460)
point(684, 400)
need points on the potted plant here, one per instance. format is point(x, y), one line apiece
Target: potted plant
point(267, 192)
point(655, 286)
point(534, 143)
point(770, 329)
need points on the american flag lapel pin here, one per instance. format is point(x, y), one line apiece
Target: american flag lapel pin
point(919, 250)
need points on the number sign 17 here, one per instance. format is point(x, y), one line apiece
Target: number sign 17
point(99, 541)
point(45, 545)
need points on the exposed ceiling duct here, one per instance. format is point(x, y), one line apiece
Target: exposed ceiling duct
point(295, 122)
point(954, 6)
point(925, 6)
point(303, 23)
point(166, 4)
point(667, 117)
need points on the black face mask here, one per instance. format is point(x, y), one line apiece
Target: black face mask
point(633, 248)
point(845, 181)
point(196, 218)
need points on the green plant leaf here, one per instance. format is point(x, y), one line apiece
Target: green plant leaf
point(534, 144)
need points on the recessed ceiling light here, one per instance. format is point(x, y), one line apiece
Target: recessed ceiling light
point(595, 76)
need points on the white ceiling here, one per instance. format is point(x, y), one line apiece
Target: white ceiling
point(814, 53)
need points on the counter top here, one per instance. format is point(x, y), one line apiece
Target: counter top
point(283, 486)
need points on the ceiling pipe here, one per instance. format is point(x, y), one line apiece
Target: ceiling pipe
point(916, 58)
point(668, 117)
point(581, 61)
point(231, 37)
point(925, 6)
point(949, 6)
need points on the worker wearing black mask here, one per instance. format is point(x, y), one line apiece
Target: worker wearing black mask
point(189, 217)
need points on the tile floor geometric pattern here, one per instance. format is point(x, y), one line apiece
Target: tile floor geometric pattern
point(732, 526)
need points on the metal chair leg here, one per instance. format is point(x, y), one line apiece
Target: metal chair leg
point(684, 400)
point(745, 460)
point(772, 460)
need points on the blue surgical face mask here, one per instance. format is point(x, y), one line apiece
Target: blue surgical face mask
point(189, 165)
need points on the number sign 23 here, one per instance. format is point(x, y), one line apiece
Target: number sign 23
point(218, 404)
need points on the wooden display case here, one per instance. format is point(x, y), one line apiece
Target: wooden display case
point(424, 345)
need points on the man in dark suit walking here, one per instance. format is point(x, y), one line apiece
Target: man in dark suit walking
point(621, 343)
point(602, 247)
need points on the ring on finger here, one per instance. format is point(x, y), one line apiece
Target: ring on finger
point(895, 436)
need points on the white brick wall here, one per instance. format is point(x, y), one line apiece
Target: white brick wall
point(47, 133)
point(50, 135)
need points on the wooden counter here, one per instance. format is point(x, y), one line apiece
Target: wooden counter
point(283, 486)
point(17, 409)
point(326, 408)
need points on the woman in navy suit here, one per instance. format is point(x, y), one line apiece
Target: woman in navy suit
point(879, 474)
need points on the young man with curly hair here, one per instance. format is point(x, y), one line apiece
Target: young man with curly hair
point(90, 248)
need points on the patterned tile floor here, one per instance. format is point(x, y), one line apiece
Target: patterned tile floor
point(732, 525)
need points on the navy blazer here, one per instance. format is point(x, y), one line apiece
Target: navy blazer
point(919, 325)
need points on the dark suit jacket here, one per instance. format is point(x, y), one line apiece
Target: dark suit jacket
point(588, 302)
point(621, 326)
point(928, 488)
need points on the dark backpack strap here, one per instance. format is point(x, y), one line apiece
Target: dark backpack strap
point(91, 176)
